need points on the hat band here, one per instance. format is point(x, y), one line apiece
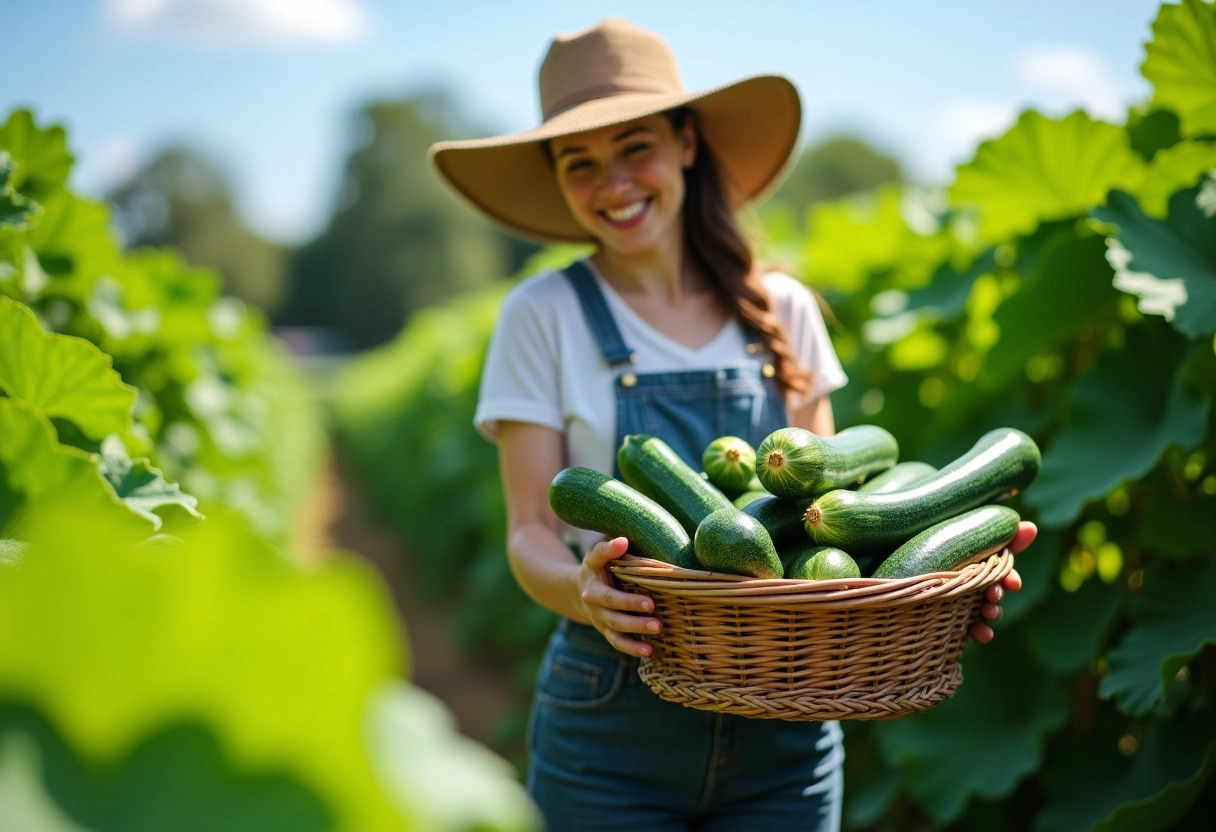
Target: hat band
point(585, 94)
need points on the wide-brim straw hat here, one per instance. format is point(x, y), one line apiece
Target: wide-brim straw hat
point(610, 73)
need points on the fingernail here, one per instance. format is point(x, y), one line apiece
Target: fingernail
point(653, 626)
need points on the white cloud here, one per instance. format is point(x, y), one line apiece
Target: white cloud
point(244, 22)
point(1063, 77)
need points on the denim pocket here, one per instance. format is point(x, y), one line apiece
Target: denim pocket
point(579, 679)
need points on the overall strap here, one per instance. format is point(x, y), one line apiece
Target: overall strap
point(598, 315)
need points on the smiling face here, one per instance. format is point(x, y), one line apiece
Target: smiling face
point(625, 183)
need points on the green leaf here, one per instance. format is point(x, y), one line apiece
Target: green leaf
point(440, 779)
point(24, 801)
point(946, 295)
point(41, 157)
point(1111, 436)
point(281, 663)
point(1152, 130)
point(1170, 264)
point(1044, 169)
point(142, 487)
point(180, 777)
point(1070, 629)
point(1068, 285)
point(1174, 618)
point(62, 376)
point(1180, 63)
point(35, 467)
point(1172, 170)
point(1178, 528)
point(985, 739)
point(1091, 785)
point(75, 245)
point(15, 209)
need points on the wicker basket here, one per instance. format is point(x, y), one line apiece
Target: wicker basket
point(861, 648)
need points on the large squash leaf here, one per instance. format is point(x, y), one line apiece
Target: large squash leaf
point(178, 778)
point(279, 662)
point(1169, 264)
point(34, 467)
point(1069, 284)
point(986, 738)
point(1180, 63)
point(1172, 170)
point(62, 376)
point(1174, 618)
point(142, 487)
point(1114, 435)
point(1071, 627)
point(40, 155)
point(1091, 785)
point(1044, 169)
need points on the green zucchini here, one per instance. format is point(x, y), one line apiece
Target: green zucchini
point(820, 563)
point(730, 464)
point(730, 541)
point(587, 499)
point(1002, 462)
point(893, 479)
point(650, 465)
point(792, 462)
point(781, 518)
point(951, 544)
point(748, 497)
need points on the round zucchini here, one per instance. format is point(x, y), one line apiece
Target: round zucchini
point(1002, 462)
point(781, 518)
point(954, 543)
point(792, 462)
point(587, 499)
point(650, 465)
point(730, 463)
point(820, 563)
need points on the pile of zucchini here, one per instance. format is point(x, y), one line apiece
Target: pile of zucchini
point(804, 506)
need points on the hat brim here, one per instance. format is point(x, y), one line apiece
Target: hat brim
point(752, 126)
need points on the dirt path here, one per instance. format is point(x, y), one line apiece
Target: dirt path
point(478, 690)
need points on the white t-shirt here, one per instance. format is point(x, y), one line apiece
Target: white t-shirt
point(544, 365)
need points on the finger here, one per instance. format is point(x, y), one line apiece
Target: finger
point(627, 644)
point(1012, 582)
point(624, 622)
point(982, 633)
point(1023, 537)
point(992, 612)
point(995, 593)
point(614, 599)
point(605, 551)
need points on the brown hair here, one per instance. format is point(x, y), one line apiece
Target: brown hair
point(722, 254)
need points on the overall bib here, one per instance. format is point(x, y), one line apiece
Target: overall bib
point(605, 752)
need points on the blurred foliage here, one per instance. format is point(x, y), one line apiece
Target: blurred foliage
point(1062, 284)
point(396, 242)
point(835, 167)
point(183, 200)
point(162, 670)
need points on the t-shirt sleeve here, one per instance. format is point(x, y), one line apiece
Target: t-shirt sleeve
point(808, 334)
point(520, 379)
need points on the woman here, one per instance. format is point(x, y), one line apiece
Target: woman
point(669, 329)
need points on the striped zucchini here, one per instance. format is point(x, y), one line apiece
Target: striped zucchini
point(952, 544)
point(792, 462)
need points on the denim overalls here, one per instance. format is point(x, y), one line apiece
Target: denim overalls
point(608, 754)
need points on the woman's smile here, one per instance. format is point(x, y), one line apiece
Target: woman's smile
point(629, 215)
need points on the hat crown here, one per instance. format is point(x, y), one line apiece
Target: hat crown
point(610, 58)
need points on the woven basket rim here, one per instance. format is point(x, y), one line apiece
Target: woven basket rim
point(825, 594)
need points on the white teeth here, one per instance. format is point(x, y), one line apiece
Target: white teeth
point(627, 213)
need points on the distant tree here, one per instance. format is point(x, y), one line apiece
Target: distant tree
point(395, 242)
point(182, 198)
point(834, 167)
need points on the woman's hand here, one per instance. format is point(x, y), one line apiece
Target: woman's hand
point(614, 613)
point(982, 631)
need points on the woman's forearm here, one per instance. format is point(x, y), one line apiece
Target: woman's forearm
point(546, 569)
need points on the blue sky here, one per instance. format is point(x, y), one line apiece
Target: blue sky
point(266, 86)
